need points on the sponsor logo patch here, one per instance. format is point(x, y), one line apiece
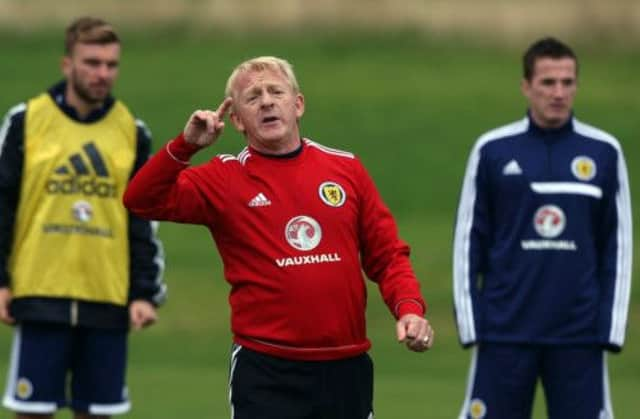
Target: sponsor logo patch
point(66, 229)
point(583, 168)
point(549, 221)
point(303, 233)
point(82, 211)
point(308, 259)
point(332, 194)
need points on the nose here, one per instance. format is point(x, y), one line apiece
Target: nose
point(559, 90)
point(104, 71)
point(266, 99)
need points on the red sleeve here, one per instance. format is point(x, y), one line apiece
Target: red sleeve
point(385, 258)
point(167, 188)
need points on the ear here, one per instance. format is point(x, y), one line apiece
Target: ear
point(65, 66)
point(236, 121)
point(299, 105)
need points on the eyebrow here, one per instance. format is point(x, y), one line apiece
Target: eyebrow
point(265, 86)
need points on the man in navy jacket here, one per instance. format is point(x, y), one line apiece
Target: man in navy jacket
point(542, 253)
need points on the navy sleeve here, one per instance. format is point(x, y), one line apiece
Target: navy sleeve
point(146, 253)
point(11, 162)
point(470, 241)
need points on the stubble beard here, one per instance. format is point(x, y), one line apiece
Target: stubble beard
point(84, 93)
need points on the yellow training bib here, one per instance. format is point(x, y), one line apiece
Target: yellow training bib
point(71, 234)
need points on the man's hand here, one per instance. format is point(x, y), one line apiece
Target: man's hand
point(204, 127)
point(5, 301)
point(415, 331)
point(142, 314)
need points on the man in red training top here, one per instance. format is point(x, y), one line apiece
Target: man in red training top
point(294, 222)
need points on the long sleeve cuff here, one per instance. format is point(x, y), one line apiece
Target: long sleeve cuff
point(180, 150)
point(409, 307)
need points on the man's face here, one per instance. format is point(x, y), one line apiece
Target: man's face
point(551, 91)
point(266, 109)
point(91, 70)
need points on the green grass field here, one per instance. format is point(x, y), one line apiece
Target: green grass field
point(411, 109)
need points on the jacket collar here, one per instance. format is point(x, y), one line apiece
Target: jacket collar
point(550, 133)
point(57, 93)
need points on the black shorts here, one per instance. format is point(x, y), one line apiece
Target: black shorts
point(266, 387)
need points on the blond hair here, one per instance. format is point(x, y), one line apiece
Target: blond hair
point(262, 64)
point(89, 30)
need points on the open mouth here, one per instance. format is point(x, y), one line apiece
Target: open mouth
point(269, 119)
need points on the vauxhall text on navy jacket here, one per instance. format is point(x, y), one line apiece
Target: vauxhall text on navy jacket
point(543, 238)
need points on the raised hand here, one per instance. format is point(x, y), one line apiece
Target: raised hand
point(204, 127)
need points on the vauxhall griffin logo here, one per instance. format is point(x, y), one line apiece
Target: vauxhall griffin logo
point(82, 211)
point(549, 221)
point(85, 174)
point(303, 232)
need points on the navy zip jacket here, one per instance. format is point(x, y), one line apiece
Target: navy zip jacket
point(543, 238)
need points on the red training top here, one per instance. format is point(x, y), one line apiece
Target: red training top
point(292, 233)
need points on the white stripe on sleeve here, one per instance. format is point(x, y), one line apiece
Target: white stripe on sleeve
point(464, 224)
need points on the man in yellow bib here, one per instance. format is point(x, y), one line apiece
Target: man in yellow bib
point(77, 270)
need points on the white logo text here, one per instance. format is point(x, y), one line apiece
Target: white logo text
point(308, 259)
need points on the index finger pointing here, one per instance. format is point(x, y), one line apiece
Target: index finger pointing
point(223, 108)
